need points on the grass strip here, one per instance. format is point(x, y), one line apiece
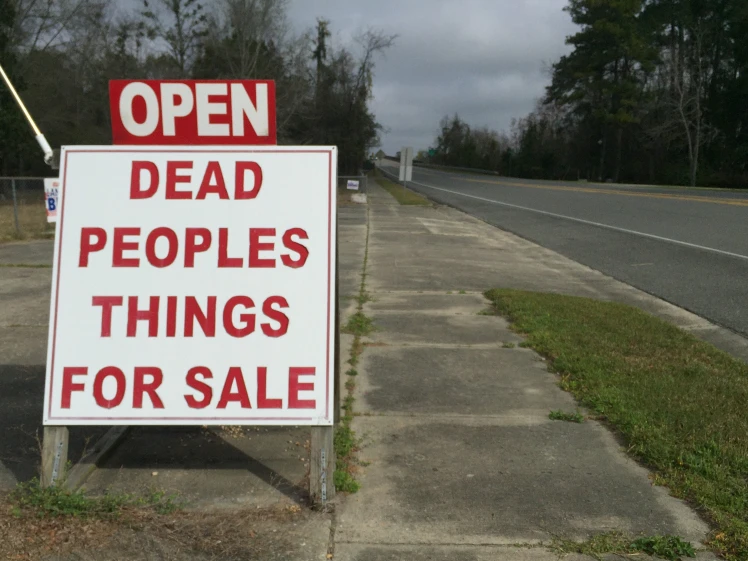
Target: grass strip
point(402, 195)
point(680, 403)
point(346, 442)
point(41, 502)
point(558, 415)
point(32, 222)
point(672, 548)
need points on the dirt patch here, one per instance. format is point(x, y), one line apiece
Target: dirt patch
point(278, 533)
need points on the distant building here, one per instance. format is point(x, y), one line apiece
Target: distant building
point(381, 155)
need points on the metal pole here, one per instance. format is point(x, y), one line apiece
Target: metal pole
point(15, 206)
point(40, 139)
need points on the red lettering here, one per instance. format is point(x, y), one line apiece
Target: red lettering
point(191, 247)
point(256, 246)
point(150, 315)
point(120, 246)
point(235, 376)
point(68, 386)
point(292, 245)
point(248, 320)
point(140, 387)
point(136, 190)
point(119, 394)
point(275, 315)
point(150, 247)
point(202, 387)
point(241, 169)
point(172, 179)
point(207, 187)
point(88, 246)
point(106, 303)
point(262, 383)
point(224, 260)
point(192, 312)
point(294, 387)
point(171, 316)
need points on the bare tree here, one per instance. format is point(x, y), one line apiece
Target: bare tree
point(44, 24)
point(181, 24)
point(683, 81)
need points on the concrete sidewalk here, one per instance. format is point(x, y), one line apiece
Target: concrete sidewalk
point(464, 462)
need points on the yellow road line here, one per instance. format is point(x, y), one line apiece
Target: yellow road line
point(692, 198)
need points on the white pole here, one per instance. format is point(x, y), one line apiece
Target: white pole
point(43, 144)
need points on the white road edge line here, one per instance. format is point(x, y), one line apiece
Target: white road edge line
point(582, 221)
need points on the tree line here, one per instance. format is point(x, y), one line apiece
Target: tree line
point(61, 55)
point(653, 91)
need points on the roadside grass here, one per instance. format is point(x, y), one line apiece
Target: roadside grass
point(359, 324)
point(402, 195)
point(56, 525)
point(344, 198)
point(32, 221)
point(25, 266)
point(672, 548)
point(679, 403)
point(346, 442)
point(40, 502)
point(575, 417)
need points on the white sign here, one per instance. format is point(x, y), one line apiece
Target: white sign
point(406, 164)
point(193, 286)
point(353, 185)
point(51, 197)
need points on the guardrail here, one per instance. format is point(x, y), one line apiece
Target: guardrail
point(453, 168)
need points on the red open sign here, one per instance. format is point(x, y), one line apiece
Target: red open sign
point(193, 112)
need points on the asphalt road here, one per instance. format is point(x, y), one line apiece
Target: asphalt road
point(687, 246)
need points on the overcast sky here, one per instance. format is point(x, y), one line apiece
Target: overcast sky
point(483, 59)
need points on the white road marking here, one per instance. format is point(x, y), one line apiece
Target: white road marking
point(587, 222)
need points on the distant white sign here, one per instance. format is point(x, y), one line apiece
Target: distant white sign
point(353, 184)
point(51, 197)
point(193, 285)
point(406, 164)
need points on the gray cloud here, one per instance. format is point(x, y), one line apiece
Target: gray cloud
point(483, 59)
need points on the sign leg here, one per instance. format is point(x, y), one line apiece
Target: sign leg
point(322, 473)
point(54, 455)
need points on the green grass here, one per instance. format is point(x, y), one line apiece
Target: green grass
point(24, 266)
point(359, 324)
point(576, 417)
point(346, 443)
point(345, 449)
point(32, 222)
point(672, 548)
point(33, 499)
point(680, 403)
point(402, 195)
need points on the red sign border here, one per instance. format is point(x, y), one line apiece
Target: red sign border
point(197, 420)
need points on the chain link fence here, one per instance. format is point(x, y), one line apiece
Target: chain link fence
point(22, 212)
point(353, 183)
point(352, 188)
